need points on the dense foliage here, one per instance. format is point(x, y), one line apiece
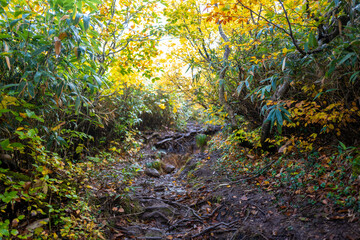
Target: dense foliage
point(285, 75)
point(71, 74)
point(79, 78)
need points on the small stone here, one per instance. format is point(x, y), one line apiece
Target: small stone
point(152, 172)
point(157, 216)
point(168, 168)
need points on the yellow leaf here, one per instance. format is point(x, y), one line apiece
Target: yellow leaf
point(7, 59)
point(46, 171)
point(58, 126)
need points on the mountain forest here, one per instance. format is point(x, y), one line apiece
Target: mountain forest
point(180, 119)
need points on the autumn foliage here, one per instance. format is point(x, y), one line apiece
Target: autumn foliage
point(80, 79)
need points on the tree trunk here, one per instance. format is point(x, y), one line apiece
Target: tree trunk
point(222, 75)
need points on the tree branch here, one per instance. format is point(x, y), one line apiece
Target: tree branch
point(289, 33)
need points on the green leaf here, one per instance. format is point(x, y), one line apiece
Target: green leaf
point(354, 76)
point(14, 232)
point(331, 68)
point(17, 145)
point(91, 5)
point(342, 145)
point(14, 22)
point(312, 41)
point(86, 19)
point(8, 86)
point(8, 196)
point(3, 3)
point(4, 144)
point(2, 36)
point(21, 87)
point(62, 141)
point(98, 80)
point(29, 113)
point(77, 18)
point(347, 56)
point(279, 118)
point(31, 89)
point(40, 50)
point(77, 104)
point(37, 77)
point(94, 1)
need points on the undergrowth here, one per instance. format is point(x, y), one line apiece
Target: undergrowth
point(54, 199)
point(326, 175)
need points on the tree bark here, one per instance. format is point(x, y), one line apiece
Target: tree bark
point(222, 75)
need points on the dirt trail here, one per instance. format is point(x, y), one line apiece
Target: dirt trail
point(193, 201)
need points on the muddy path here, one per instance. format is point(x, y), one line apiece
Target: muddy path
point(180, 195)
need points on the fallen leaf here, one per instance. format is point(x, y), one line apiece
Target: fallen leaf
point(39, 223)
point(304, 219)
point(310, 189)
point(254, 212)
point(244, 198)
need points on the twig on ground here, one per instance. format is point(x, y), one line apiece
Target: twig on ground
point(249, 178)
point(213, 227)
point(177, 204)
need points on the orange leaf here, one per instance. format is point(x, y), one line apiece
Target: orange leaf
point(57, 46)
point(76, 52)
point(63, 35)
point(64, 17)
